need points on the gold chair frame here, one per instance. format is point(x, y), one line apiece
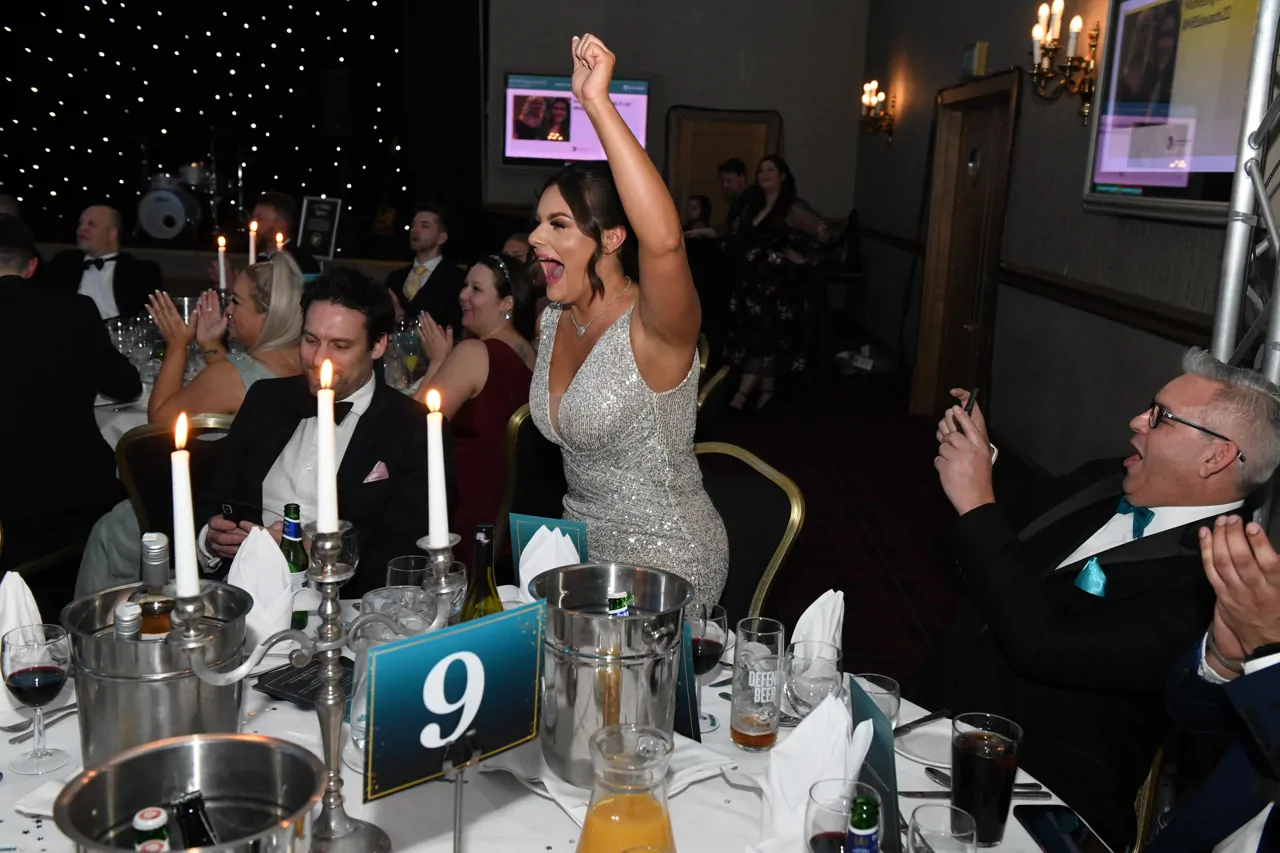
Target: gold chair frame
point(502, 523)
point(704, 351)
point(201, 422)
point(794, 522)
point(705, 391)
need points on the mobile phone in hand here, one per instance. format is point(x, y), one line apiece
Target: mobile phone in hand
point(973, 400)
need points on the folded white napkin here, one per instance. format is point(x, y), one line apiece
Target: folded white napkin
point(823, 620)
point(824, 746)
point(261, 570)
point(17, 608)
point(39, 803)
point(509, 594)
point(547, 549)
point(690, 762)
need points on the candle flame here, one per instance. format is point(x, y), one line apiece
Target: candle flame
point(253, 226)
point(180, 432)
point(433, 400)
point(222, 242)
point(326, 374)
point(279, 239)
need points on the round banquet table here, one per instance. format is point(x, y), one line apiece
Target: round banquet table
point(500, 812)
point(115, 419)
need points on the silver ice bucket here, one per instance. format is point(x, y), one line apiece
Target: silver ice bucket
point(259, 793)
point(598, 669)
point(133, 692)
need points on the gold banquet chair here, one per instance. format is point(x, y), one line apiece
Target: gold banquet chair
point(704, 352)
point(533, 484)
point(711, 403)
point(142, 459)
point(763, 511)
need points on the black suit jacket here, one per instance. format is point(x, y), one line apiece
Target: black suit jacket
point(306, 261)
point(53, 457)
point(1247, 777)
point(1082, 675)
point(390, 515)
point(131, 282)
point(438, 296)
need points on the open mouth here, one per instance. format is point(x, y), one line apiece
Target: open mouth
point(552, 269)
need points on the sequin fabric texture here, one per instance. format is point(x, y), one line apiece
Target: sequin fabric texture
point(629, 462)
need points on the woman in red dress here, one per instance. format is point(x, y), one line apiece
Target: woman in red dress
point(482, 381)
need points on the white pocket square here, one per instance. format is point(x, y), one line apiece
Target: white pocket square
point(379, 472)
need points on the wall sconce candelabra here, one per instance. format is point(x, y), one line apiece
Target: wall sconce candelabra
point(877, 115)
point(1074, 75)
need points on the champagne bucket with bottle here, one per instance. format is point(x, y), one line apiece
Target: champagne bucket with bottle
point(132, 692)
point(611, 654)
point(257, 793)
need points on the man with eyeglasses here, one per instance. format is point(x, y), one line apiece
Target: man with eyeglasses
point(1072, 622)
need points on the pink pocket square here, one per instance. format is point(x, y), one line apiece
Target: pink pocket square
point(379, 472)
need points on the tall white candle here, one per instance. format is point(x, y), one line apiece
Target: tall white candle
point(1043, 20)
point(222, 264)
point(1073, 35)
point(253, 242)
point(1037, 39)
point(326, 457)
point(279, 242)
point(437, 506)
point(184, 528)
point(1055, 21)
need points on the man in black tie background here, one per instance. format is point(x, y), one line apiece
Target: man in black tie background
point(277, 213)
point(381, 441)
point(431, 283)
point(116, 281)
point(1071, 623)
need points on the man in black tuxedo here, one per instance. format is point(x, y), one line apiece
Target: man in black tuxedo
point(1227, 684)
point(269, 458)
point(59, 473)
point(116, 281)
point(430, 283)
point(1072, 623)
point(277, 213)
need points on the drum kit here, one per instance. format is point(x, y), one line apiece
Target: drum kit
point(187, 204)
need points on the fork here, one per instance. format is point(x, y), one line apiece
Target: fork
point(27, 723)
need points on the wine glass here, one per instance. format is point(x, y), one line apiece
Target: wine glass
point(812, 674)
point(709, 627)
point(410, 347)
point(884, 691)
point(350, 553)
point(826, 816)
point(34, 661)
point(940, 828)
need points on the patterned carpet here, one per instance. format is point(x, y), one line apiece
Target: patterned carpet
point(874, 514)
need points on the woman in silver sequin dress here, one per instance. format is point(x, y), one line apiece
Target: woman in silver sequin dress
point(616, 382)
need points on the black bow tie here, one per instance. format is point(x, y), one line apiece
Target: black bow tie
point(98, 262)
point(308, 410)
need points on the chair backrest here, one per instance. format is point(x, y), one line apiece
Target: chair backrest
point(763, 511)
point(533, 482)
point(142, 459)
point(711, 403)
point(704, 351)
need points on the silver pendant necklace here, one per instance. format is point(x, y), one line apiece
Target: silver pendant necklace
point(582, 330)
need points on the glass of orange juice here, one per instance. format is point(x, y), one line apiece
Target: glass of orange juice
point(628, 795)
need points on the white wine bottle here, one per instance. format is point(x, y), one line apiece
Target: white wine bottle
point(482, 596)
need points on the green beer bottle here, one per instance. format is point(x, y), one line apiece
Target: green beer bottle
point(482, 596)
point(296, 556)
point(864, 827)
point(151, 830)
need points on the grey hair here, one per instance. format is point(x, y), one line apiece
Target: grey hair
point(1250, 403)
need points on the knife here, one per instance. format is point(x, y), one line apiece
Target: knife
point(944, 795)
point(940, 714)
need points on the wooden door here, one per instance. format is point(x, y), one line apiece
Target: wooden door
point(703, 144)
point(971, 161)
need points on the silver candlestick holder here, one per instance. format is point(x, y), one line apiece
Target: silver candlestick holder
point(335, 831)
point(440, 582)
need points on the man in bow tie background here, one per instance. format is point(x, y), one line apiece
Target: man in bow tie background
point(1072, 622)
point(269, 457)
point(431, 283)
point(116, 281)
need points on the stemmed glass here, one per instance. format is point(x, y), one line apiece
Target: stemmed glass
point(34, 661)
point(826, 816)
point(812, 674)
point(410, 347)
point(709, 627)
point(939, 828)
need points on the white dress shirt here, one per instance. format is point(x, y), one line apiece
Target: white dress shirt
point(292, 478)
point(97, 284)
point(1119, 530)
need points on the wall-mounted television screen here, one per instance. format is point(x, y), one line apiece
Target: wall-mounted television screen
point(544, 123)
point(1170, 100)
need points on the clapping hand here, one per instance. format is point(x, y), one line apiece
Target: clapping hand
point(175, 332)
point(964, 456)
point(437, 342)
point(1244, 570)
point(592, 69)
point(211, 320)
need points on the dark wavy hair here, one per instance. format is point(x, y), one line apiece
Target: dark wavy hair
point(353, 289)
point(786, 195)
point(511, 278)
point(593, 199)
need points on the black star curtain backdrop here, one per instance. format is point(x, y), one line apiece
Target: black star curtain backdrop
point(101, 96)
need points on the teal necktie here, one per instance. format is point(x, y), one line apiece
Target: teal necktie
point(1141, 516)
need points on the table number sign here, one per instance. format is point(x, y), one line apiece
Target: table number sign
point(427, 692)
point(880, 768)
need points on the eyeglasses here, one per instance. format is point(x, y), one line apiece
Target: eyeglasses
point(1160, 413)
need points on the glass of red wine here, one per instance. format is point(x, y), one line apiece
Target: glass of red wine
point(709, 628)
point(34, 660)
point(826, 815)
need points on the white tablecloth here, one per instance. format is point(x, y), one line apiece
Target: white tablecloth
point(115, 420)
point(501, 814)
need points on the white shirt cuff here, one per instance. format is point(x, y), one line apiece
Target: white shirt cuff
point(1261, 663)
point(995, 452)
point(1206, 671)
point(210, 561)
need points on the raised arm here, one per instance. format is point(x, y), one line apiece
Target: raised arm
point(668, 303)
